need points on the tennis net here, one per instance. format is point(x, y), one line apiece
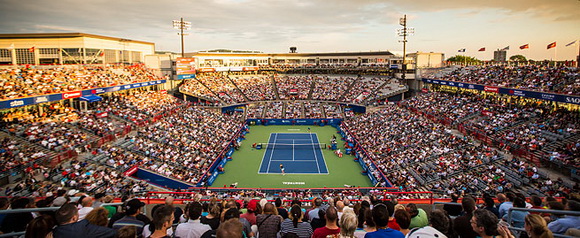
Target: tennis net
point(282, 146)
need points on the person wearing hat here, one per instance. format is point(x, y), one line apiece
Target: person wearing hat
point(251, 214)
point(98, 200)
point(132, 209)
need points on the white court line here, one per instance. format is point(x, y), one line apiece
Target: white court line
point(292, 150)
point(315, 156)
point(270, 136)
point(271, 152)
point(300, 160)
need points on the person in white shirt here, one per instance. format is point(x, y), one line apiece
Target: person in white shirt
point(193, 228)
point(87, 203)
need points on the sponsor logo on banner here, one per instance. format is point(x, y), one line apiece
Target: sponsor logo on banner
point(102, 114)
point(98, 91)
point(17, 103)
point(301, 121)
point(131, 171)
point(573, 100)
point(460, 85)
point(126, 87)
point(518, 93)
point(491, 89)
point(69, 95)
point(40, 99)
point(285, 121)
point(250, 68)
point(136, 85)
point(452, 83)
point(471, 86)
point(206, 70)
point(145, 83)
point(547, 96)
point(443, 82)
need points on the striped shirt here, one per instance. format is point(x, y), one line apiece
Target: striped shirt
point(304, 230)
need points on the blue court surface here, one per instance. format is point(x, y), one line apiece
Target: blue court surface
point(298, 152)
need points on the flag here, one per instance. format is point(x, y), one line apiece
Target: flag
point(551, 45)
point(482, 49)
point(102, 53)
point(571, 43)
point(461, 50)
point(526, 46)
point(506, 48)
point(31, 49)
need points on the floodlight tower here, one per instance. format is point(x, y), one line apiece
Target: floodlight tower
point(181, 25)
point(404, 32)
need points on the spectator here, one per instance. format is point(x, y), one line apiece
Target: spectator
point(294, 224)
point(561, 225)
point(281, 210)
point(231, 228)
point(4, 204)
point(163, 220)
point(178, 211)
point(98, 217)
point(484, 223)
point(40, 227)
point(348, 224)
point(213, 218)
point(150, 228)
point(120, 215)
point(127, 232)
point(392, 220)
point(250, 215)
point(269, 222)
point(440, 224)
point(313, 212)
point(517, 219)
point(381, 218)
point(235, 213)
point(536, 227)
point(418, 216)
point(15, 222)
point(461, 224)
point(99, 197)
point(111, 209)
point(67, 218)
point(133, 208)
point(490, 205)
point(87, 206)
point(193, 228)
point(505, 206)
point(454, 210)
point(331, 228)
point(403, 219)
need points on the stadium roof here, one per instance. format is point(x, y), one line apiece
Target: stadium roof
point(67, 35)
point(368, 53)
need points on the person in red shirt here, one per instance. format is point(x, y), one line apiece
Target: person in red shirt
point(331, 227)
point(392, 221)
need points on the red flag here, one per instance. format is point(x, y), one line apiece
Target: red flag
point(482, 49)
point(31, 49)
point(551, 45)
point(526, 46)
point(101, 54)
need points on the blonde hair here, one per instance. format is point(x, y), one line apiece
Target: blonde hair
point(98, 216)
point(348, 224)
point(538, 226)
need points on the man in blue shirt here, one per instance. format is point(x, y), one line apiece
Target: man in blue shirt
point(561, 225)
point(133, 209)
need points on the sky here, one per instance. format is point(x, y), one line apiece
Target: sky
point(272, 26)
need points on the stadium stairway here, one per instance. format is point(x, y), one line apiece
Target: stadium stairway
point(49, 153)
point(341, 98)
point(238, 88)
point(312, 85)
point(275, 87)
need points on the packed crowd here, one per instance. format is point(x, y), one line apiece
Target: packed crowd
point(414, 153)
point(28, 82)
point(514, 124)
point(78, 214)
point(561, 79)
point(229, 88)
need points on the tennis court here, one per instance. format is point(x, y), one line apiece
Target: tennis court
point(299, 153)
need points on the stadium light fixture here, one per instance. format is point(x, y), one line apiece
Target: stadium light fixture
point(404, 32)
point(181, 25)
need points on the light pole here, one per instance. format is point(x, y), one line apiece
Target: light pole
point(181, 25)
point(404, 32)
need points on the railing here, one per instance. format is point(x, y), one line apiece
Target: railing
point(182, 197)
point(558, 212)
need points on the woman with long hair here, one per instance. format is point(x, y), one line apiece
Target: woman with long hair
point(293, 226)
point(536, 227)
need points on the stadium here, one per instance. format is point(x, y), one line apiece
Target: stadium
point(106, 122)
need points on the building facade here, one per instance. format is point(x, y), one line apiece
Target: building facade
point(71, 48)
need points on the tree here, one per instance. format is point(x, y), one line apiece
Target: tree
point(464, 59)
point(518, 58)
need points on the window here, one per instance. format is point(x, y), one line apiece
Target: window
point(5, 56)
point(24, 56)
point(136, 56)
